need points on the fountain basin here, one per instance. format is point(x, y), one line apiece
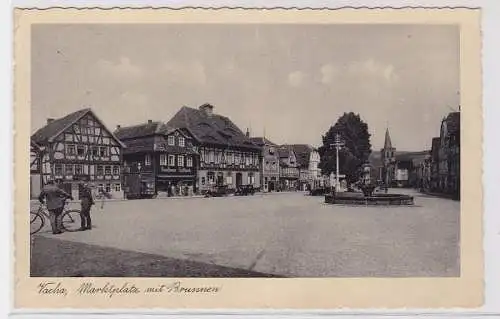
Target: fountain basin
point(350, 198)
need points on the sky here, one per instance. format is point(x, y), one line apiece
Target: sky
point(289, 82)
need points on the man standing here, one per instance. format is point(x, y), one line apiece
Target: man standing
point(54, 197)
point(87, 201)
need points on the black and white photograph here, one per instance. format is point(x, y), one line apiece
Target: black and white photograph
point(242, 158)
point(245, 150)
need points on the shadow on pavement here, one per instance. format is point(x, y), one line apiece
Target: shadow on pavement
point(59, 258)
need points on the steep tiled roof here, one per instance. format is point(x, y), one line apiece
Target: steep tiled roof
point(261, 141)
point(141, 130)
point(284, 151)
point(302, 153)
point(51, 130)
point(210, 129)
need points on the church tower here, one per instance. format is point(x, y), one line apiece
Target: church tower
point(388, 157)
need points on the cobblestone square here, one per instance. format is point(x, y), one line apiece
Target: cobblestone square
point(284, 234)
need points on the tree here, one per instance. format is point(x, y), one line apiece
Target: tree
point(355, 152)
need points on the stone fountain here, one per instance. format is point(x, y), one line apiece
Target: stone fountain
point(367, 195)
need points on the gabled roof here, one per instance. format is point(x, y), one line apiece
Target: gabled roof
point(210, 129)
point(140, 130)
point(302, 153)
point(261, 141)
point(53, 129)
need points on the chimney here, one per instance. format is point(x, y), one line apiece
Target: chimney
point(248, 132)
point(50, 120)
point(207, 109)
point(118, 127)
point(150, 121)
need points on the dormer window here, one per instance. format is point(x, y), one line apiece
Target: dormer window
point(171, 140)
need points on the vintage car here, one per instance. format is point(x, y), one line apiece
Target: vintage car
point(245, 190)
point(218, 191)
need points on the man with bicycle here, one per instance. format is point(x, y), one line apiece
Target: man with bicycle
point(55, 198)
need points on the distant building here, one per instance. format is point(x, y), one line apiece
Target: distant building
point(228, 157)
point(388, 158)
point(434, 185)
point(289, 168)
point(164, 157)
point(79, 147)
point(308, 162)
point(269, 164)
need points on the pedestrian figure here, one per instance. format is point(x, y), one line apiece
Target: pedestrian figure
point(54, 198)
point(86, 201)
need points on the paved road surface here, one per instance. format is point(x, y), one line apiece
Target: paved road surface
point(286, 234)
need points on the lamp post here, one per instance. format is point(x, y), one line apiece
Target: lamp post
point(337, 144)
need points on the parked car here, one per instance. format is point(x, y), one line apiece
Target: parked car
point(218, 191)
point(245, 190)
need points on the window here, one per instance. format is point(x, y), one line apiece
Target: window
point(99, 170)
point(117, 187)
point(70, 149)
point(217, 158)
point(171, 140)
point(78, 169)
point(180, 160)
point(211, 156)
point(100, 188)
point(171, 160)
point(237, 159)
point(116, 170)
point(68, 168)
point(103, 151)
point(182, 141)
point(108, 188)
point(203, 181)
point(58, 169)
point(271, 150)
point(107, 170)
point(147, 160)
point(80, 150)
point(163, 159)
point(189, 161)
point(84, 130)
point(211, 177)
point(95, 151)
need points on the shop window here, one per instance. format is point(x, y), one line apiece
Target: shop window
point(108, 188)
point(117, 187)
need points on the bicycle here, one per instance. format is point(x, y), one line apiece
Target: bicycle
point(71, 220)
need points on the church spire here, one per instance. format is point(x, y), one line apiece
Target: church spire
point(387, 142)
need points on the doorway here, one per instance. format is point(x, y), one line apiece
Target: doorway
point(239, 179)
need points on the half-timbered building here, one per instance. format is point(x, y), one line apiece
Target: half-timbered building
point(78, 147)
point(35, 170)
point(164, 158)
point(227, 155)
point(289, 168)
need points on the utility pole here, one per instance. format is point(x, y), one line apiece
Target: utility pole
point(337, 144)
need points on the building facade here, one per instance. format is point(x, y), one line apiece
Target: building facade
point(163, 159)
point(269, 164)
point(79, 147)
point(228, 157)
point(308, 162)
point(449, 155)
point(289, 169)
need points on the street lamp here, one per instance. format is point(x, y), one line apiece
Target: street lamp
point(337, 144)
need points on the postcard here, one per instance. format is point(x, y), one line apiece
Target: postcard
point(248, 158)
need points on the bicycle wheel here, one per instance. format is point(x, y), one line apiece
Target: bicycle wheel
point(71, 220)
point(36, 222)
